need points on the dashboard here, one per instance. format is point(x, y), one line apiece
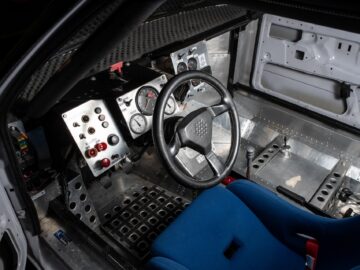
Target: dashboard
point(97, 125)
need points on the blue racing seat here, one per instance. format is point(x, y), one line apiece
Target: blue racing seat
point(246, 227)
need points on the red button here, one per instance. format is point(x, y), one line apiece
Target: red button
point(91, 153)
point(101, 146)
point(105, 162)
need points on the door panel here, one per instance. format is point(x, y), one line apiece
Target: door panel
point(13, 248)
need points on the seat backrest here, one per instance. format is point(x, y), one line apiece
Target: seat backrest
point(338, 238)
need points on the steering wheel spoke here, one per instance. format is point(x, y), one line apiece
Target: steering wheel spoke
point(215, 163)
point(175, 145)
point(219, 109)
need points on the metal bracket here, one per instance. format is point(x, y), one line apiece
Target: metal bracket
point(330, 186)
point(80, 204)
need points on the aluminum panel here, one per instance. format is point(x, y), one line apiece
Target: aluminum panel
point(91, 123)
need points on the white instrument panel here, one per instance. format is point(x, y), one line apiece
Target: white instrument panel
point(137, 106)
point(194, 57)
point(96, 135)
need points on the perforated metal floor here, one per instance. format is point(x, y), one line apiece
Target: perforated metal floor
point(142, 219)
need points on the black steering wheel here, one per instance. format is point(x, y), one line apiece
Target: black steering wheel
point(195, 131)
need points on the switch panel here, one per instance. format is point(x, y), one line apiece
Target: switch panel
point(96, 135)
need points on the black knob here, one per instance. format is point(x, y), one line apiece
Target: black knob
point(85, 118)
point(97, 110)
point(101, 117)
point(105, 124)
point(113, 139)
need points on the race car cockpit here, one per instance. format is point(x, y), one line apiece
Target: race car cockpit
point(184, 135)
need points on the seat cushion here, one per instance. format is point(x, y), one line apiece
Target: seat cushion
point(218, 231)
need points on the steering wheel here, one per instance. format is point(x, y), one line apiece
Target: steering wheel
point(195, 131)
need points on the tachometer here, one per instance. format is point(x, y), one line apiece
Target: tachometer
point(138, 123)
point(146, 99)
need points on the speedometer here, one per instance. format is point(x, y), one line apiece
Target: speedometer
point(146, 100)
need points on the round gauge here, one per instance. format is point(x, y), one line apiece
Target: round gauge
point(146, 100)
point(170, 106)
point(181, 67)
point(138, 123)
point(195, 82)
point(192, 64)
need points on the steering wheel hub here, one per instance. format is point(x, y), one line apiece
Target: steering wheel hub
point(195, 131)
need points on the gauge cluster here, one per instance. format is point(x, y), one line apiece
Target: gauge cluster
point(137, 106)
point(194, 57)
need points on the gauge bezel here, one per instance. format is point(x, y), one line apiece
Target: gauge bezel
point(174, 106)
point(137, 97)
point(181, 63)
point(196, 63)
point(130, 126)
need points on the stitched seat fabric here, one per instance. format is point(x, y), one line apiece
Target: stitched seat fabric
point(246, 227)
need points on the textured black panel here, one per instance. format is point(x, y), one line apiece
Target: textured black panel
point(149, 36)
point(174, 6)
point(164, 31)
point(90, 26)
point(41, 76)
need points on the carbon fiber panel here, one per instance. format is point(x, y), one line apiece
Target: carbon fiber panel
point(149, 36)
